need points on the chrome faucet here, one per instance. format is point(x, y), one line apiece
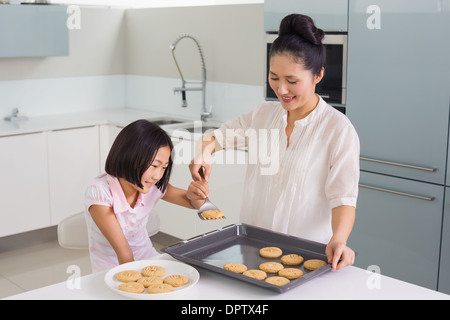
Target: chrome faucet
point(205, 113)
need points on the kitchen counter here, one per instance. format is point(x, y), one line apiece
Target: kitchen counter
point(119, 117)
point(348, 283)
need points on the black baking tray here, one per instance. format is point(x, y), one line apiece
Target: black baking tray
point(240, 243)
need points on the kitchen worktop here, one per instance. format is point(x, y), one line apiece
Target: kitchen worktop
point(348, 283)
point(121, 117)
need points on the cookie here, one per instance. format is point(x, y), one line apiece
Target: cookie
point(213, 214)
point(128, 276)
point(148, 281)
point(160, 288)
point(255, 274)
point(176, 280)
point(278, 281)
point(292, 259)
point(314, 264)
point(271, 267)
point(153, 271)
point(235, 267)
point(270, 252)
point(290, 273)
point(132, 287)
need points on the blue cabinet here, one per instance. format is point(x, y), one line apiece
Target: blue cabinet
point(398, 228)
point(329, 15)
point(444, 270)
point(398, 85)
point(33, 31)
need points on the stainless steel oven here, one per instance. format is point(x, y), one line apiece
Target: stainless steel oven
point(333, 86)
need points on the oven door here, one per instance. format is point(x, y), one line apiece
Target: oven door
point(332, 88)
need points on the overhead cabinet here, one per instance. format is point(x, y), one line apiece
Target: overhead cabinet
point(329, 15)
point(33, 31)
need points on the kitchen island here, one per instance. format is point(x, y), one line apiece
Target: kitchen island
point(348, 283)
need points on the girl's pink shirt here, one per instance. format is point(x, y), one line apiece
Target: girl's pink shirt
point(105, 190)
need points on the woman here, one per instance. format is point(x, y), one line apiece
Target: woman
point(313, 192)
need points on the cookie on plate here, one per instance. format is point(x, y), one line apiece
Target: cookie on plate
point(176, 280)
point(292, 259)
point(314, 264)
point(270, 252)
point(255, 274)
point(278, 281)
point(290, 273)
point(128, 276)
point(148, 281)
point(160, 288)
point(132, 287)
point(153, 271)
point(271, 267)
point(235, 267)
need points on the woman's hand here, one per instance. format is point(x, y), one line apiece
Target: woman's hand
point(204, 148)
point(338, 250)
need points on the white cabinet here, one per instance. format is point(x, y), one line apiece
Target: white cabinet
point(108, 134)
point(73, 162)
point(24, 183)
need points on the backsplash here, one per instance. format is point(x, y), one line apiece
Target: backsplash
point(37, 97)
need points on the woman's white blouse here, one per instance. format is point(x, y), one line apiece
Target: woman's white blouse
point(292, 188)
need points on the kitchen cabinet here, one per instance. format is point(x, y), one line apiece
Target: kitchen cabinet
point(398, 85)
point(108, 134)
point(33, 31)
point(329, 15)
point(398, 228)
point(444, 269)
point(73, 162)
point(24, 184)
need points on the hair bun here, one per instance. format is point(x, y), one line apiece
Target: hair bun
point(303, 27)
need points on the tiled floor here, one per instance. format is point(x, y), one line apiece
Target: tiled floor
point(33, 260)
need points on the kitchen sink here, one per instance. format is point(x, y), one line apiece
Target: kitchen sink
point(163, 121)
point(203, 129)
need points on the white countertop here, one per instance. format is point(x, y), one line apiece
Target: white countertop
point(120, 117)
point(348, 283)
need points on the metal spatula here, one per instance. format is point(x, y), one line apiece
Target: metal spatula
point(208, 205)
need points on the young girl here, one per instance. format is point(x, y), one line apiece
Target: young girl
point(119, 202)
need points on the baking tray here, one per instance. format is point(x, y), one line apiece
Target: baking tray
point(240, 243)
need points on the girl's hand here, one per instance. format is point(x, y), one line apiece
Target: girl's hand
point(198, 190)
point(336, 251)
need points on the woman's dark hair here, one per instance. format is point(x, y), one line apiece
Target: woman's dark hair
point(134, 150)
point(299, 37)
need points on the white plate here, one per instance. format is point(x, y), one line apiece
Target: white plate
point(172, 267)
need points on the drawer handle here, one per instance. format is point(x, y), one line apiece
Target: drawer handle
point(399, 164)
point(397, 192)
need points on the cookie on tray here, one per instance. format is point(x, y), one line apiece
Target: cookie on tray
point(278, 281)
point(290, 273)
point(255, 274)
point(270, 252)
point(271, 267)
point(235, 267)
point(292, 259)
point(314, 264)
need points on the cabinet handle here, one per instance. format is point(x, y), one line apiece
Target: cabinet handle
point(399, 164)
point(397, 192)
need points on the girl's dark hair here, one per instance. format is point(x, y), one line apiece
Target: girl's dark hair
point(299, 37)
point(134, 150)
